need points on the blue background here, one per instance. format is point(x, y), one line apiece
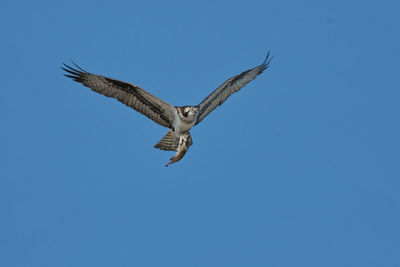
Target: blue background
point(300, 168)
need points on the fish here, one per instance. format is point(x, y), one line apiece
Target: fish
point(183, 146)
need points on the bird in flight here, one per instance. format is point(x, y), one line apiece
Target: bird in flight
point(179, 120)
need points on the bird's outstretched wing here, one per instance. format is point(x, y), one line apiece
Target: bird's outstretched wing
point(229, 87)
point(128, 93)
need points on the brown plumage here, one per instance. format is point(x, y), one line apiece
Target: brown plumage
point(229, 87)
point(130, 94)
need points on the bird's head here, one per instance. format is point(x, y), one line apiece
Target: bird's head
point(189, 112)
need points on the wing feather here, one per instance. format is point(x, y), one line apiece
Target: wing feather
point(129, 94)
point(229, 87)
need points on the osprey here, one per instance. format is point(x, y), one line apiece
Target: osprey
point(179, 120)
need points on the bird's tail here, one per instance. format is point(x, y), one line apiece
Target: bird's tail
point(170, 142)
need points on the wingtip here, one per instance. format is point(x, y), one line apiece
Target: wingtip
point(76, 65)
point(267, 61)
point(268, 58)
point(74, 74)
point(77, 69)
point(269, 52)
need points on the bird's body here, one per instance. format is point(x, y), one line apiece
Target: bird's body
point(179, 119)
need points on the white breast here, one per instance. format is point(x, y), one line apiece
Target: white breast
point(181, 126)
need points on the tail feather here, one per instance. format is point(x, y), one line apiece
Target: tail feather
point(170, 142)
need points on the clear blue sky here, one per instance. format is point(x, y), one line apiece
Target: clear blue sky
point(300, 168)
